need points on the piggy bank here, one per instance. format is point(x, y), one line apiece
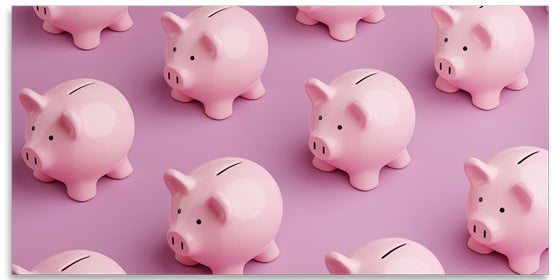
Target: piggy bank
point(481, 50)
point(360, 122)
point(507, 206)
point(76, 133)
point(213, 55)
point(74, 262)
point(223, 214)
point(386, 256)
point(85, 23)
point(341, 20)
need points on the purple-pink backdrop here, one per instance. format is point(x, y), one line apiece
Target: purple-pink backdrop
point(128, 219)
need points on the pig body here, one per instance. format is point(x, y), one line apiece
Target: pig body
point(85, 23)
point(76, 133)
point(360, 122)
point(341, 20)
point(386, 256)
point(74, 262)
point(481, 50)
point(507, 206)
point(223, 214)
point(213, 55)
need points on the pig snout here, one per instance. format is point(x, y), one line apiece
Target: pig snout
point(42, 11)
point(322, 147)
point(448, 68)
point(483, 231)
point(175, 78)
point(178, 243)
point(32, 158)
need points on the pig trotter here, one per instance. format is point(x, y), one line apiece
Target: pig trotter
point(123, 170)
point(270, 253)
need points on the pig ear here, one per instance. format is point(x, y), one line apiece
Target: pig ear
point(337, 263)
point(484, 35)
point(71, 123)
point(173, 24)
point(221, 205)
point(211, 43)
point(478, 171)
point(360, 112)
point(32, 101)
point(16, 269)
point(444, 16)
point(318, 91)
point(177, 182)
point(524, 194)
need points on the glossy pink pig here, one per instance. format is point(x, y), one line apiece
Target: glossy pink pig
point(85, 23)
point(341, 20)
point(223, 214)
point(507, 206)
point(386, 256)
point(481, 50)
point(76, 133)
point(213, 55)
point(360, 122)
point(74, 262)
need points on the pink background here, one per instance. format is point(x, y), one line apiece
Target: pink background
point(128, 219)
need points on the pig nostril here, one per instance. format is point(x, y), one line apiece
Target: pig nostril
point(314, 145)
point(172, 240)
point(449, 70)
point(182, 245)
point(440, 66)
point(35, 159)
point(474, 228)
point(45, 11)
point(177, 79)
point(169, 75)
point(37, 8)
point(484, 234)
point(26, 156)
point(323, 150)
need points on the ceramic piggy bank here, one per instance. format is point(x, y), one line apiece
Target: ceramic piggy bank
point(85, 23)
point(213, 55)
point(341, 20)
point(360, 122)
point(223, 214)
point(74, 262)
point(386, 256)
point(481, 50)
point(507, 206)
point(76, 133)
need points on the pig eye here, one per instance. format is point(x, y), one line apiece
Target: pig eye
point(174, 49)
point(502, 210)
point(198, 221)
point(179, 211)
point(445, 40)
point(339, 127)
point(192, 57)
point(320, 117)
point(480, 199)
point(33, 128)
point(51, 137)
point(465, 48)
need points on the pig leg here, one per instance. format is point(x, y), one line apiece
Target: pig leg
point(486, 100)
point(443, 85)
point(322, 165)
point(343, 31)
point(123, 170)
point(87, 40)
point(234, 269)
point(219, 110)
point(123, 24)
point(376, 16)
point(42, 176)
point(188, 261)
point(526, 264)
point(255, 91)
point(270, 253)
point(520, 83)
point(47, 26)
point(302, 18)
point(364, 180)
point(179, 96)
point(477, 247)
point(82, 191)
point(402, 160)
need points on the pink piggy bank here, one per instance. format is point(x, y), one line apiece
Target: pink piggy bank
point(214, 55)
point(85, 23)
point(341, 20)
point(481, 50)
point(74, 262)
point(223, 214)
point(76, 133)
point(360, 122)
point(386, 256)
point(507, 206)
